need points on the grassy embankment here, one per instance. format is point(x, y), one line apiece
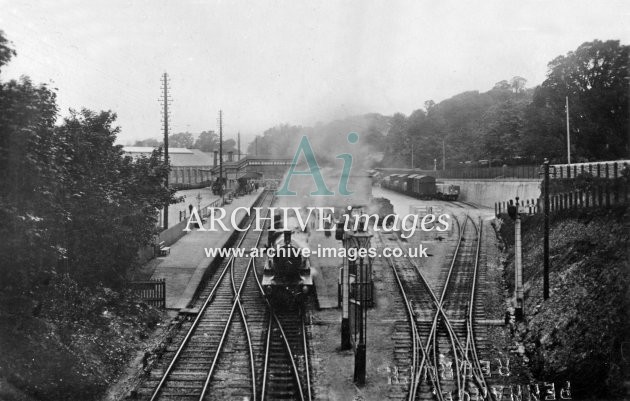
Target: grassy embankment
point(581, 333)
point(69, 345)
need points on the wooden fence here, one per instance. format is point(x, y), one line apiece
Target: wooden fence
point(610, 169)
point(151, 292)
point(606, 169)
point(602, 195)
point(521, 172)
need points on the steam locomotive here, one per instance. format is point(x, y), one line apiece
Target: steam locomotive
point(287, 275)
point(382, 207)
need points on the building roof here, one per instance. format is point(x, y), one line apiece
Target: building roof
point(178, 157)
point(425, 178)
point(149, 149)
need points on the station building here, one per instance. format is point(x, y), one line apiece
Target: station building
point(192, 168)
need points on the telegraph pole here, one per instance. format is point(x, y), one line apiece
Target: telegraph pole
point(443, 155)
point(345, 296)
point(546, 233)
point(165, 101)
point(513, 211)
point(518, 265)
point(221, 153)
point(239, 147)
point(568, 135)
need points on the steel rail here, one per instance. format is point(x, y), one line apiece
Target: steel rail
point(195, 323)
point(224, 334)
point(439, 306)
point(451, 336)
point(463, 351)
point(247, 333)
point(296, 372)
point(439, 311)
point(470, 320)
point(415, 337)
point(265, 365)
point(274, 318)
point(306, 359)
point(228, 324)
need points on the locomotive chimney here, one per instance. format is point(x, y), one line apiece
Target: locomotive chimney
point(287, 237)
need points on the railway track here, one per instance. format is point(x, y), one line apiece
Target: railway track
point(214, 352)
point(285, 365)
point(444, 362)
point(236, 346)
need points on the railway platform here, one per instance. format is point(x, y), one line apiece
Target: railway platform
point(184, 268)
point(326, 271)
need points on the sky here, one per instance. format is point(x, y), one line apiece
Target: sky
point(299, 62)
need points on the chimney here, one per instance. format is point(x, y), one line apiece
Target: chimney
point(216, 157)
point(230, 156)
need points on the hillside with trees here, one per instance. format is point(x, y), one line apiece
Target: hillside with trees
point(327, 140)
point(74, 213)
point(512, 123)
point(206, 141)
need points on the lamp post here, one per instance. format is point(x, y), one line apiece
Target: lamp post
point(221, 157)
point(568, 133)
point(360, 240)
point(546, 233)
point(513, 211)
point(346, 340)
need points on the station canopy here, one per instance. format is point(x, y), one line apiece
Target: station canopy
point(251, 175)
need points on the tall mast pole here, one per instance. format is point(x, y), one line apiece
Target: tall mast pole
point(221, 151)
point(165, 100)
point(568, 135)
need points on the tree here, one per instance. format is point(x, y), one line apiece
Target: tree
point(207, 141)
point(70, 202)
point(181, 140)
point(500, 128)
point(27, 190)
point(502, 85)
point(110, 200)
point(6, 51)
point(278, 141)
point(518, 84)
point(397, 141)
point(595, 79)
point(150, 142)
point(229, 145)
